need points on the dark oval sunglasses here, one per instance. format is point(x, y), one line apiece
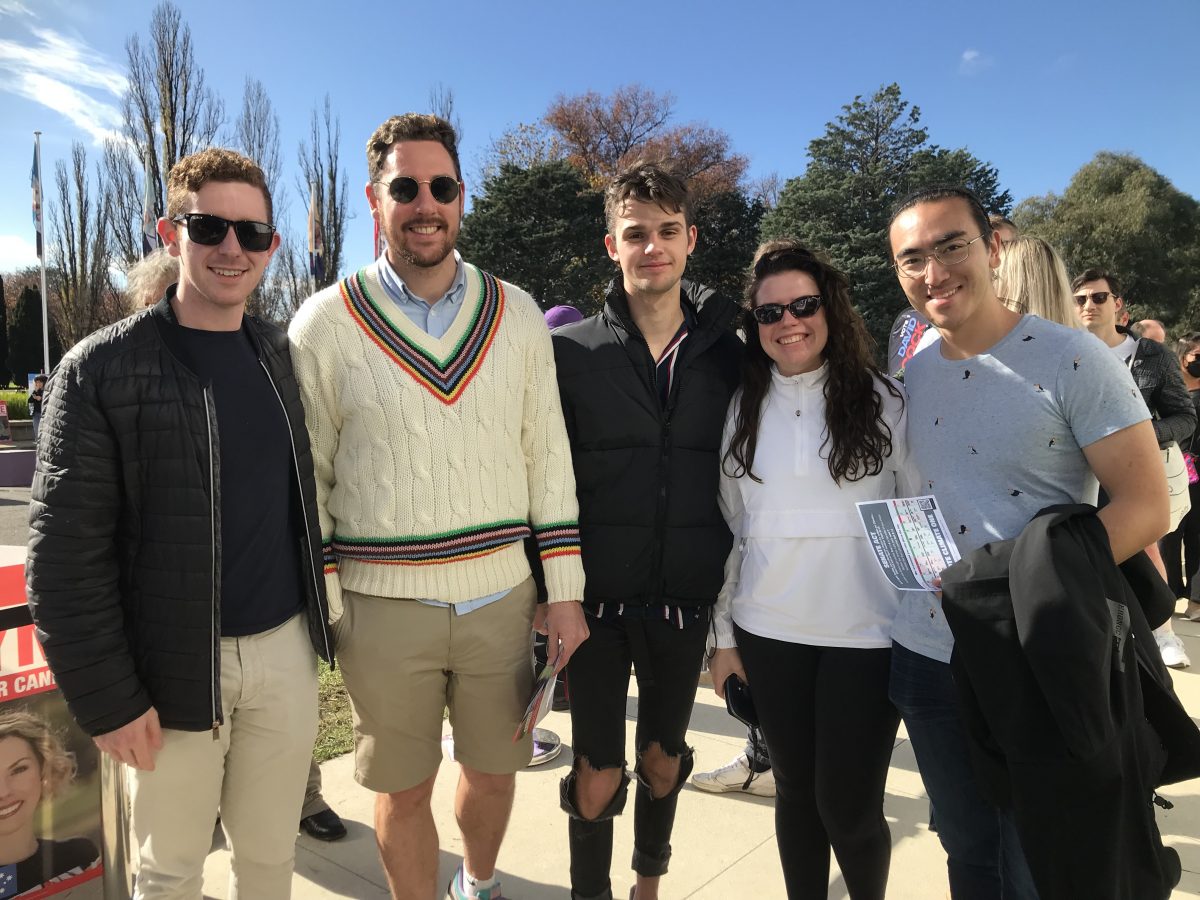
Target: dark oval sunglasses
point(1097, 297)
point(404, 188)
point(211, 230)
point(801, 308)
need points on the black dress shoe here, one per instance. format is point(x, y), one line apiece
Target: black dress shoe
point(324, 826)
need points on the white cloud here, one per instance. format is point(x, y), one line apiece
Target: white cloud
point(973, 62)
point(17, 252)
point(65, 75)
point(15, 8)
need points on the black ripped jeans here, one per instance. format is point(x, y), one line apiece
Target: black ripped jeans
point(667, 661)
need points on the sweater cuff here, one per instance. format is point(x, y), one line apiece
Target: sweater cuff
point(564, 577)
point(333, 583)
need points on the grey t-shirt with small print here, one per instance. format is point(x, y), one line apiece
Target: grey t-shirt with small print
point(999, 436)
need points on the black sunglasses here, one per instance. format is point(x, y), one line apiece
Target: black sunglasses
point(1097, 297)
point(404, 188)
point(211, 230)
point(801, 308)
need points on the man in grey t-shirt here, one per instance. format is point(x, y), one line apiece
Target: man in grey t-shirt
point(1008, 414)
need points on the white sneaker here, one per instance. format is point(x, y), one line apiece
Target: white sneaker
point(1171, 648)
point(732, 777)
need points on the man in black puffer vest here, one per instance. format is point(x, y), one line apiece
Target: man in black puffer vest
point(175, 566)
point(645, 385)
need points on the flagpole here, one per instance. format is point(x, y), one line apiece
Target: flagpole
point(37, 143)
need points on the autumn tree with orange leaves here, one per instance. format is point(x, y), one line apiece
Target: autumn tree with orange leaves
point(599, 135)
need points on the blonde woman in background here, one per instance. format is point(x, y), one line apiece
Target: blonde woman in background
point(1033, 279)
point(148, 278)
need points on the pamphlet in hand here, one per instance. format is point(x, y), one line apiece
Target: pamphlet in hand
point(539, 701)
point(910, 540)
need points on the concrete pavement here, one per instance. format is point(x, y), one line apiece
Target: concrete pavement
point(724, 845)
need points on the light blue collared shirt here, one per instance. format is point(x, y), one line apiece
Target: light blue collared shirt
point(435, 320)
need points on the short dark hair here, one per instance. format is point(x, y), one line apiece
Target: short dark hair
point(1097, 274)
point(411, 127)
point(648, 182)
point(936, 192)
point(214, 164)
point(996, 220)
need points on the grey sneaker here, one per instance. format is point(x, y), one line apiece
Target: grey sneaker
point(1192, 613)
point(546, 746)
point(732, 777)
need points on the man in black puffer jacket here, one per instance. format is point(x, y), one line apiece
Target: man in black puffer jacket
point(175, 568)
point(645, 385)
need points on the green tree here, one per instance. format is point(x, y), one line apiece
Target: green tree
point(1122, 215)
point(25, 336)
point(869, 157)
point(728, 226)
point(541, 228)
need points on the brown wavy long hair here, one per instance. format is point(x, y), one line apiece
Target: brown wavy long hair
point(857, 438)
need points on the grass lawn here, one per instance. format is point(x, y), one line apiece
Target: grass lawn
point(335, 731)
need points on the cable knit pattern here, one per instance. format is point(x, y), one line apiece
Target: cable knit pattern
point(434, 456)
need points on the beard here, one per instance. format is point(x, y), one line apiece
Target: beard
point(429, 257)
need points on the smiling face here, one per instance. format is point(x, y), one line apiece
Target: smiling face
point(420, 234)
point(215, 281)
point(651, 245)
point(949, 296)
point(794, 345)
point(20, 785)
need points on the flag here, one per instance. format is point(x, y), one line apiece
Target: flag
point(149, 217)
point(316, 241)
point(35, 181)
point(380, 241)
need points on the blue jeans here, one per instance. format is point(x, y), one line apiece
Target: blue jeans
point(984, 856)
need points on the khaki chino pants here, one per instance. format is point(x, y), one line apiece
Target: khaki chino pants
point(253, 776)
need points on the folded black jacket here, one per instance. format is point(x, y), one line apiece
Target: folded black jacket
point(1070, 713)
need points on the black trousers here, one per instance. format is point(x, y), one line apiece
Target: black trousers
point(1181, 551)
point(668, 662)
point(830, 727)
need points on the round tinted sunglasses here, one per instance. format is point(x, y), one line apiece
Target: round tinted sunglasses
point(404, 189)
point(211, 230)
point(801, 308)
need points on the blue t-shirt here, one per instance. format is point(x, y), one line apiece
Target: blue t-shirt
point(1000, 436)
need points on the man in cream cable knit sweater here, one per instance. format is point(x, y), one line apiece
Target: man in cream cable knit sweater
point(439, 444)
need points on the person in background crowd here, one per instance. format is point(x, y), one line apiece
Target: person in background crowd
point(991, 474)
point(1152, 329)
point(174, 568)
point(148, 278)
point(438, 439)
point(146, 282)
point(1005, 228)
point(35, 400)
point(558, 316)
point(815, 428)
point(1181, 548)
point(645, 384)
point(1156, 372)
point(1033, 279)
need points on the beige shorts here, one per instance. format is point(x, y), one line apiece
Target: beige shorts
point(405, 662)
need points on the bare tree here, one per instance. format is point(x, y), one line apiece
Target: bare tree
point(441, 104)
point(766, 189)
point(168, 109)
point(123, 185)
point(524, 145)
point(255, 133)
point(323, 178)
point(81, 254)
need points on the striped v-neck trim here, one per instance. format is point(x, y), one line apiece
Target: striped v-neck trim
point(447, 378)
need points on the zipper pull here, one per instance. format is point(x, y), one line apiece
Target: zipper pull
point(216, 729)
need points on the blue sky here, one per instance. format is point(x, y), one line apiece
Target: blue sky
point(1035, 88)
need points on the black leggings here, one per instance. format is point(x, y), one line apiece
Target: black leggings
point(830, 728)
point(1181, 550)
